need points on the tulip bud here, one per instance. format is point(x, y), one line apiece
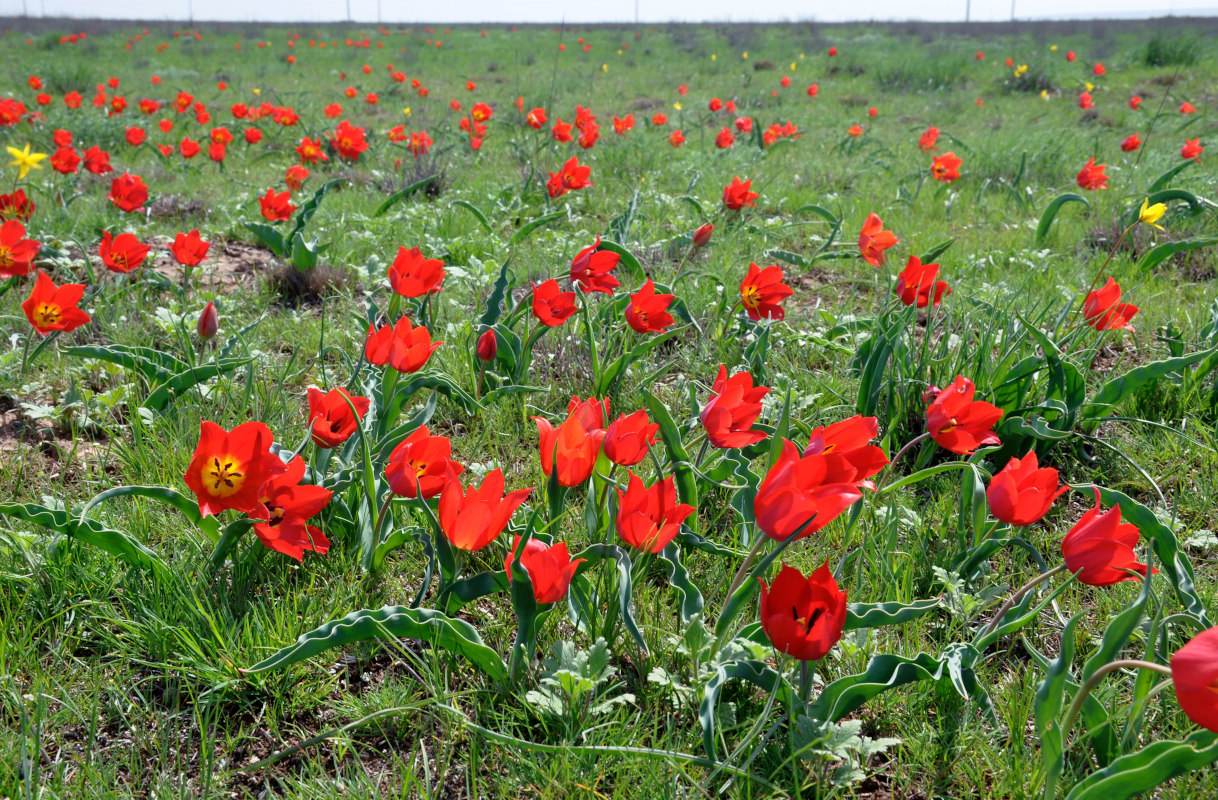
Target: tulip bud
point(487, 346)
point(930, 394)
point(209, 322)
point(702, 235)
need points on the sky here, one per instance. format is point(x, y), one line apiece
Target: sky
point(582, 11)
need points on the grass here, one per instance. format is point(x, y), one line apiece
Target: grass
point(116, 683)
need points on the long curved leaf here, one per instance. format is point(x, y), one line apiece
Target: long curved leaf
point(1046, 219)
point(1123, 386)
point(1138, 772)
point(683, 472)
point(477, 212)
point(184, 381)
point(1160, 253)
point(879, 615)
point(116, 543)
point(755, 672)
point(189, 508)
point(532, 225)
point(689, 596)
point(402, 194)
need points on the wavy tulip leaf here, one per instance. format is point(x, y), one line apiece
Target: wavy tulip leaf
point(879, 615)
point(532, 225)
point(183, 382)
point(689, 597)
point(820, 211)
point(188, 506)
point(90, 531)
point(1046, 219)
point(755, 672)
point(467, 590)
point(402, 194)
point(883, 672)
point(682, 465)
point(153, 364)
point(1123, 386)
point(454, 635)
point(499, 293)
point(1160, 253)
point(1138, 772)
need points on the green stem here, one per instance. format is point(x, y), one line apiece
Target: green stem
point(1112, 666)
point(1104, 266)
point(748, 562)
point(1018, 594)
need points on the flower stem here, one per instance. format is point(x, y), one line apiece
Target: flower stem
point(1112, 666)
point(1018, 595)
point(1104, 266)
point(748, 562)
point(908, 446)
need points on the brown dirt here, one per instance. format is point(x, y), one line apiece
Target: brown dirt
point(228, 265)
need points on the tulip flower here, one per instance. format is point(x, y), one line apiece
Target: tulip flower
point(874, 240)
point(536, 118)
point(209, 322)
point(676, 138)
point(487, 346)
point(551, 305)
point(1135, 103)
point(189, 249)
point(402, 346)
point(1099, 548)
point(928, 139)
point(1192, 149)
point(550, 568)
point(848, 441)
point(349, 141)
point(762, 292)
point(946, 167)
point(24, 160)
point(1150, 215)
point(572, 448)
point(648, 518)
point(310, 151)
point(97, 161)
point(128, 192)
point(803, 616)
point(65, 160)
point(1104, 311)
point(53, 308)
point(702, 236)
point(1023, 492)
point(629, 437)
point(289, 505)
point(736, 195)
point(295, 176)
point(17, 253)
point(123, 253)
point(472, 518)
point(725, 139)
point(734, 406)
point(1131, 143)
point(1092, 177)
point(413, 275)
point(592, 269)
point(917, 285)
point(16, 206)
point(229, 468)
point(1194, 673)
point(803, 492)
point(648, 311)
point(420, 465)
point(959, 423)
point(276, 206)
point(330, 416)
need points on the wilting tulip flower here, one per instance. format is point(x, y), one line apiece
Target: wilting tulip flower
point(736, 195)
point(803, 492)
point(1131, 143)
point(1104, 311)
point(702, 236)
point(592, 269)
point(122, 253)
point(572, 448)
point(959, 423)
point(803, 617)
point(734, 406)
point(229, 468)
point(550, 568)
point(1194, 673)
point(420, 464)
point(1092, 176)
point(648, 518)
point(189, 249)
point(209, 322)
point(874, 240)
point(128, 192)
point(17, 253)
point(1101, 546)
point(629, 437)
point(551, 305)
point(1192, 149)
point(487, 346)
point(762, 292)
point(1023, 491)
point(53, 308)
point(849, 441)
point(917, 285)
point(648, 311)
point(946, 167)
point(289, 505)
point(276, 206)
point(330, 417)
point(413, 275)
point(472, 518)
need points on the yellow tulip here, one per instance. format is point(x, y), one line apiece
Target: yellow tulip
point(24, 160)
point(1151, 214)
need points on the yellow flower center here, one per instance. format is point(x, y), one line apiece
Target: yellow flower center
point(47, 314)
point(6, 258)
point(750, 296)
point(223, 475)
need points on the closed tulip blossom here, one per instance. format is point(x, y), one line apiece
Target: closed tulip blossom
point(592, 269)
point(413, 275)
point(946, 167)
point(403, 346)
point(472, 518)
point(627, 440)
point(51, 308)
point(17, 253)
point(123, 253)
point(734, 406)
point(917, 284)
point(803, 616)
point(1194, 674)
point(331, 418)
point(551, 305)
point(874, 240)
point(959, 423)
point(649, 517)
point(803, 493)
point(229, 468)
point(289, 505)
point(189, 249)
point(849, 442)
point(1104, 311)
point(572, 448)
point(549, 567)
point(487, 346)
point(1022, 493)
point(1092, 176)
point(762, 292)
point(420, 465)
point(648, 311)
point(209, 322)
point(1099, 548)
point(736, 195)
point(702, 236)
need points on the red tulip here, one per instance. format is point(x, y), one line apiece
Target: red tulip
point(849, 441)
point(702, 236)
point(276, 206)
point(1023, 492)
point(805, 492)
point(229, 468)
point(917, 284)
point(17, 253)
point(122, 253)
point(413, 275)
point(725, 139)
point(349, 141)
point(803, 617)
point(676, 138)
point(874, 240)
point(736, 195)
point(1092, 176)
point(65, 160)
point(487, 346)
point(1101, 546)
point(572, 447)
point(1131, 143)
point(1194, 673)
point(1135, 103)
point(648, 311)
point(946, 167)
point(734, 406)
point(310, 151)
point(1192, 149)
point(762, 292)
point(189, 249)
point(295, 176)
point(550, 568)
point(209, 322)
point(97, 161)
point(289, 504)
point(53, 308)
point(570, 178)
point(472, 518)
point(1104, 311)
point(551, 305)
point(648, 518)
point(420, 464)
point(592, 269)
point(128, 192)
point(536, 118)
point(959, 423)
point(628, 438)
point(404, 347)
point(928, 139)
point(330, 417)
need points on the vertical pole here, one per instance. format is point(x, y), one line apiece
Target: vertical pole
point(968, 8)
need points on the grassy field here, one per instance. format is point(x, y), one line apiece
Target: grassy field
point(122, 681)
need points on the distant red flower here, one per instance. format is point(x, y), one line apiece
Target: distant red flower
point(1192, 149)
point(725, 139)
point(1070, 55)
point(561, 132)
point(97, 161)
point(1187, 108)
point(481, 112)
point(11, 111)
point(1135, 102)
point(295, 177)
point(623, 124)
point(16, 206)
point(1023, 492)
point(1194, 675)
point(1131, 143)
point(413, 275)
point(734, 406)
point(592, 269)
point(659, 119)
point(61, 137)
point(289, 505)
point(473, 518)
point(676, 138)
point(946, 167)
point(420, 464)
point(928, 139)
point(917, 285)
point(855, 130)
point(702, 235)
point(65, 160)
point(959, 423)
point(229, 468)
point(649, 517)
point(536, 118)
point(331, 420)
point(1099, 548)
point(1104, 311)
point(1085, 102)
point(715, 104)
point(629, 437)
point(648, 311)
point(71, 100)
point(310, 151)
point(136, 136)
point(276, 206)
point(805, 492)
point(549, 567)
point(803, 617)
point(1092, 176)
point(349, 140)
point(17, 253)
point(128, 192)
point(874, 240)
point(573, 176)
point(736, 195)
point(189, 147)
point(123, 253)
point(762, 292)
point(1098, 69)
point(813, 90)
point(52, 308)
point(551, 305)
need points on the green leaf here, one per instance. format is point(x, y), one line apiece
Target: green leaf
point(942, 247)
point(268, 236)
point(1046, 219)
point(1141, 771)
point(1123, 386)
point(1165, 179)
point(883, 672)
point(879, 615)
point(755, 672)
point(532, 225)
point(688, 594)
point(1160, 253)
point(402, 194)
point(820, 211)
point(454, 635)
point(153, 364)
point(188, 506)
point(116, 543)
point(478, 215)
point(494, 306)
point(184, 381)
point(1047, 708)
point(787, 257)
point(682, 465)
point(467, 590)
point(1195, 203)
